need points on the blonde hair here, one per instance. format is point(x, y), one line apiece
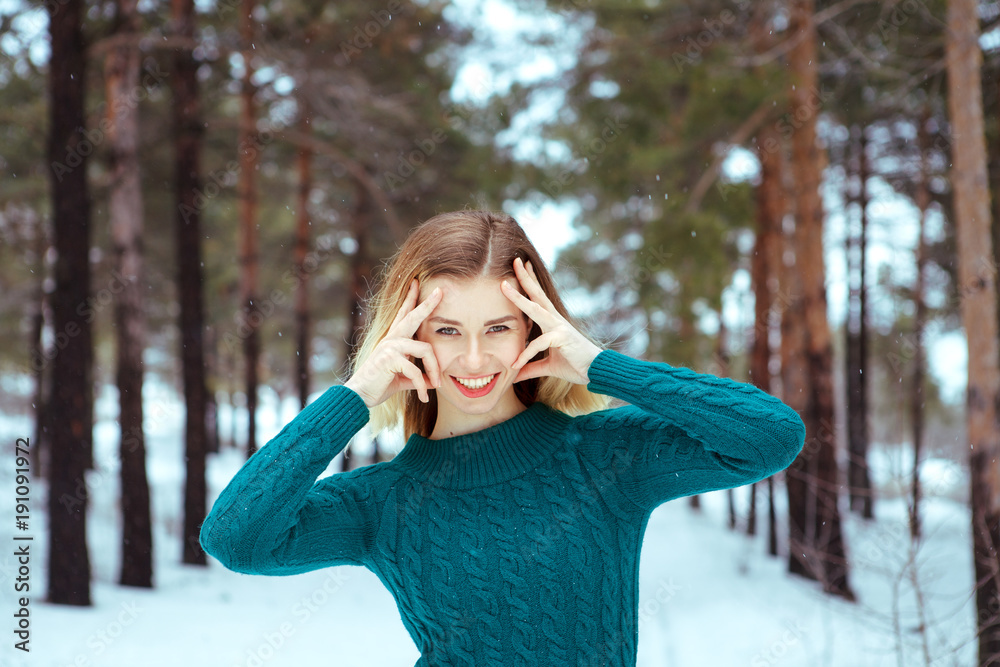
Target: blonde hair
point(463, 245)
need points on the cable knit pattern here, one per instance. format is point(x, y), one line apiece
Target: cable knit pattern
point(473, 546)
point(517, 544)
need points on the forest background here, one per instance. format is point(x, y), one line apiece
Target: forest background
point(197, 198)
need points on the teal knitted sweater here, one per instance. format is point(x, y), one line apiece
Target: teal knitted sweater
point(517, 544)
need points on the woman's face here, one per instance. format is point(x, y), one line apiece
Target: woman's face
point(476, 333)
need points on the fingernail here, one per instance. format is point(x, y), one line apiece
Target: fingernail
point(505, 284)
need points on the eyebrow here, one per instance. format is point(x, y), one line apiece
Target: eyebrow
point(489, 323)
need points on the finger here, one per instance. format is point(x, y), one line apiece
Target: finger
point(426, 353)
point(535, 311)
point(407, 306)
point(541, 343)
point(417, 378)
point(535, 369)
point(410, 347)
point(410, 322)
point(530, 284)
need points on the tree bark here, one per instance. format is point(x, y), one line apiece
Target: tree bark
point(764, 267)
point(825, 538)
point(977, 293)
point(858, 482)
point(722, 370)
point(40, 442)
point(72, 394)
point(248, 149)
point(360, 270)
point(302, 350)
point(187, 134)
point(213, 441)
point(772, 519)
point(923, 201)
point(121, 80)
point(794, 392)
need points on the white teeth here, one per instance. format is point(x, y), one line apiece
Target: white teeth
point(476, 384)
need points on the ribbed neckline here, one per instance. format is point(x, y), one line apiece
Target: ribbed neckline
point(488, 456)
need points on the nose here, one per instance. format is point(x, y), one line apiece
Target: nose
point(474, 354)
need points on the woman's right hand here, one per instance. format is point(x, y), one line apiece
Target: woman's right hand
point(389, 368)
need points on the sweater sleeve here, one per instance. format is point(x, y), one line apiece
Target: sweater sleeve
point(274, 517)
point(684, 432)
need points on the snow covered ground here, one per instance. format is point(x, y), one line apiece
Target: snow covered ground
point(708, 595)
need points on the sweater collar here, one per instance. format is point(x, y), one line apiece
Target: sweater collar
point(494, 454)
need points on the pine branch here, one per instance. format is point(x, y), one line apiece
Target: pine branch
point(738, 138)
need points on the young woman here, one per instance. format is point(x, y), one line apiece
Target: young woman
point(508, 528)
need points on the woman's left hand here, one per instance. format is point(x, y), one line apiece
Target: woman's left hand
point(570, 352)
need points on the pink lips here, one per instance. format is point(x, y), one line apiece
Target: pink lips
point(475, 393)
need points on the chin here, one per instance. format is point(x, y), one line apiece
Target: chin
point(473, 405)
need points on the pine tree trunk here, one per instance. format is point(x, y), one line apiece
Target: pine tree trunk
point(39, 443)
point(686, 333)
point(722, 370)
point(230, 374)
point(72, 394)
point(121, 79)
point(772, 519)
point(827, 540)
point(765, 266)
point(248, 217)
point(360, 270)
point(858, 483)
point(794, 388)
point(993, 155)
point(923, 201)
point(978, 295)
point(187, 130)
point(301, 249)
point(862, 477)
point(213, 436)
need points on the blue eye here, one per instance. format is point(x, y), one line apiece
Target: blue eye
point(496, 326)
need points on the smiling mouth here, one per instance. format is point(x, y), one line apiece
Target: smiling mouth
point(477, 383)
